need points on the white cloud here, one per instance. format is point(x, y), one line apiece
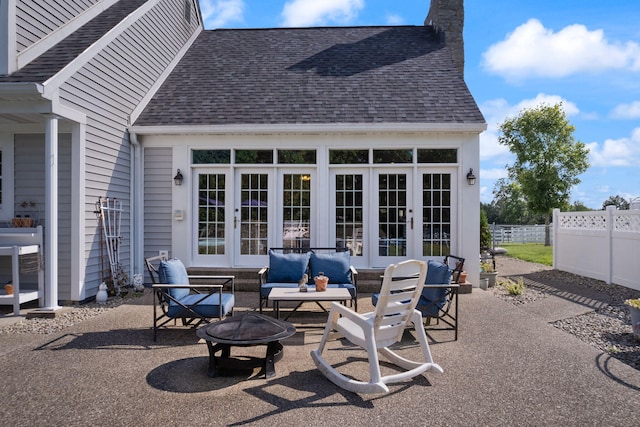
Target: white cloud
point(307, 13)
point(218, 13)
point(495, 111)
point(393, 19)
point(626, 111)
point(532, 50)
point(616, 152)
point(495, 173)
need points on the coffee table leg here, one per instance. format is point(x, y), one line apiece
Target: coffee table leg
point(274, 353)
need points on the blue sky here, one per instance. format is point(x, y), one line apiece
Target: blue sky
point(518, 53)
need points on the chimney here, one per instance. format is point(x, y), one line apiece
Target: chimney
point(447, 18)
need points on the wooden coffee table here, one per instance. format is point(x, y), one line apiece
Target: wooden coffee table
point(243, 330)
point(293, 294)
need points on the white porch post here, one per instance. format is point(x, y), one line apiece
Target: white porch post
point(51, 214)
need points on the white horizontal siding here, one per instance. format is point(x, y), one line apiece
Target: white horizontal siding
point(107, 89)
point(37, 19)
point(30, 175)
point(157, 200)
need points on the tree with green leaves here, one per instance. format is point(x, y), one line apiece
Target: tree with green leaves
point(548, 158)
point(512, 204)
point(617, 201)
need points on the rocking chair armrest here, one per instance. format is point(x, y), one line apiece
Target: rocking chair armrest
point(347, 312)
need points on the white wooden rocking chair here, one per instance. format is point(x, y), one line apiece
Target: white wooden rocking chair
point(377, 330)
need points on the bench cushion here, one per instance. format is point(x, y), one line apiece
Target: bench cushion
point(336, 266)
point(208, 308)
point(287, 268)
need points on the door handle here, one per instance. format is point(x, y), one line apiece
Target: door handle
point(412, 223)
point(235, 222)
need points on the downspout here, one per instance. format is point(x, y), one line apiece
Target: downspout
point(137, 206)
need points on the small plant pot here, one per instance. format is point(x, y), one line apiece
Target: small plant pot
point(489, 276)
point(321, 282)
point(462, 278)
point(634, 313)
point(484, 283)
point(8, 288)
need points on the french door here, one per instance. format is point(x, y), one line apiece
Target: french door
point(272, 209)
point(393, 216)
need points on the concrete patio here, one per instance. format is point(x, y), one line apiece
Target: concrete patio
point(509, 367)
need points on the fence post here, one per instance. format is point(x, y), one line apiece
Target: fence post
point(554, 231)
point(609, 241)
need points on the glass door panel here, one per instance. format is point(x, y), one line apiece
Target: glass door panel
point(436, 214)
point(349, 211)
point(211, 214)
point(254, 215)
point(394, 217)
point(296, 210)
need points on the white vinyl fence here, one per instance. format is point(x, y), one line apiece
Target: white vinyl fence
point(603, 245)
point(517, 234)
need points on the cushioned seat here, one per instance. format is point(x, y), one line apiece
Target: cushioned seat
point(208, 307)
point(177, 298)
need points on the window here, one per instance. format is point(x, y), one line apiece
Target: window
point(204, 157)
point(432, 155)
point(254, 156)
point(297, 157)
point(392, 156)
point(346, 157)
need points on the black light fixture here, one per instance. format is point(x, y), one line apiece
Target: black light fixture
point(471, 178)
point(178, 178)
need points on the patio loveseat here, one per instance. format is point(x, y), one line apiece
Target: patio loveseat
point(287, 266)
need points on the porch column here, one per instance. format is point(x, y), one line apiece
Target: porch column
point(51, 215)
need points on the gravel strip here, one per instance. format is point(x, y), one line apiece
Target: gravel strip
point(72, 317)
point(607, 328)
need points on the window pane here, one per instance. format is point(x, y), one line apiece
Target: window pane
point(392, 156)
point(436, 214)
point(200, 157)
point(296, 211)
point(428, 155)
point(254, 156)
point(343, 157)
point(297, 157)
point(349, 213)
point(211, 214)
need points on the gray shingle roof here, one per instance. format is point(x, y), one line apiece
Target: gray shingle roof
point(314, 76)
point(56, 58)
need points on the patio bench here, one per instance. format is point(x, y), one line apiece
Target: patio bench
point(287, 266)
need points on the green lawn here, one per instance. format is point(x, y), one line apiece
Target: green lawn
point(532, 252)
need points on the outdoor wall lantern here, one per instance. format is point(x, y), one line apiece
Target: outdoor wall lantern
point(471, 178)
point(178, 178)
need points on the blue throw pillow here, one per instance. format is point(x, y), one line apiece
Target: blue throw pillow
point(287, 268)
point(336, 266)
point(173, 272)
point(438, 273)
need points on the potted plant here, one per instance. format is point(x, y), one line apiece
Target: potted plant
point(634, 313)
point(487, 271)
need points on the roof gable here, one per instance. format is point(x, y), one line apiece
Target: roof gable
point(56, 58)
point(313, 76)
